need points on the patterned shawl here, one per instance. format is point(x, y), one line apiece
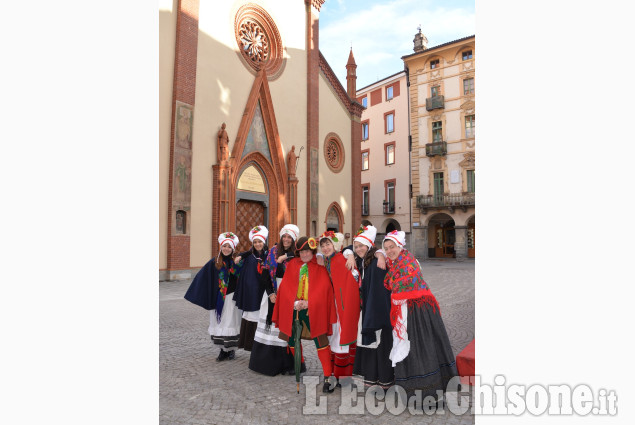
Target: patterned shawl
point(273, 265)
point(405, 281)
point(228, 268)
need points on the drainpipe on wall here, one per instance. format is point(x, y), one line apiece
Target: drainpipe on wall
point(409, 158)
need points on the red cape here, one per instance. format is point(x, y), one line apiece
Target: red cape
point(321, 305)
point(346, 291)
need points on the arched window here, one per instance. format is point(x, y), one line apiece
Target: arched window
point(334, 218)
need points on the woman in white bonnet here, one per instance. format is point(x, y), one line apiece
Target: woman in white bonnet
point(213, 289)
point(250, 287)
point(421, 353)
point(374, 342)
point(269, 354)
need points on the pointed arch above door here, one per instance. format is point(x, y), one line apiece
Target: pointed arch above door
point(257, 141)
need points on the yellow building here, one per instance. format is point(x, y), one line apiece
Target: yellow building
point(442, 128)
point(255, 128)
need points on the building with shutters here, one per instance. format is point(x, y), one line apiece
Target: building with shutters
point(385, 181)
point(255, 128)
point(442, 130)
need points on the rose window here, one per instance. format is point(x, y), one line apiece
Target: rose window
point(334, 152)
point(259, 42)
point(254, 41)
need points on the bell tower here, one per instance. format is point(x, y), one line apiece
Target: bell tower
point(351, 76)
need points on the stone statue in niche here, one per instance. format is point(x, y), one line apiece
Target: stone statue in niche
point(180, 222)
point(222, 151)
point(292, 160)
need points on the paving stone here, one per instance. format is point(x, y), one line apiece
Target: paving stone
point(194, 388)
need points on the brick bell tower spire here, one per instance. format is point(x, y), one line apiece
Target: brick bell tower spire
point(351, 76)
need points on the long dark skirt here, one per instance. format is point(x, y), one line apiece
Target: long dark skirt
point(247, 332)
point(373, 366)
point(269, 354)
point(430, 364)
point(270, 360)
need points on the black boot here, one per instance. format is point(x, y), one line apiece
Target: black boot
point(231, 355)
point(327, 386)
point(222, 355)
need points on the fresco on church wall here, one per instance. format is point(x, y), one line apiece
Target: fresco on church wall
point(182, 165)
point(183, 129)
point(182, 179)
point(257, 137)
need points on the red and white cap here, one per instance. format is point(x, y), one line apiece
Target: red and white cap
point(291, 230)
point(397, 236)
point(366, 235)
point(336, 238)
point(228, 237)
point(260, 232)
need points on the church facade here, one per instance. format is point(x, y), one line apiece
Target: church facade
point(255, 128)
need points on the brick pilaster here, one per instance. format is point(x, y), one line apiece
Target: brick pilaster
point(313, 116)
point(356, 174)
point(183, 91)
point(356, 146)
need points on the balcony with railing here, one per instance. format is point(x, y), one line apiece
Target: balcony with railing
point(449, 201)
point(435, 102)
point(389, 207)
point(437, 149)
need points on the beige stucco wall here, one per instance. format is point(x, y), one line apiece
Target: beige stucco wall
point(289, 95)
point(167, 39)
point(454, 124)
point(334, 187)
point(223, 85)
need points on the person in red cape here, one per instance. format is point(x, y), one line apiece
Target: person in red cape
point(306, 289)
point(348, 307)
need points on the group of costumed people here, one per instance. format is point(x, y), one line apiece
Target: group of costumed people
point(368, 311)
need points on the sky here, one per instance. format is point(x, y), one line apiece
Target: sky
point(381, 32)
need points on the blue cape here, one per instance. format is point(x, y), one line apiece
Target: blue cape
point(202, 290)
point(249, 288)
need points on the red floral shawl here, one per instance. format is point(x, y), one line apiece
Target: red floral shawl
point(405, 282)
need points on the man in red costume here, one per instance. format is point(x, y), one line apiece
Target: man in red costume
point(307, 290)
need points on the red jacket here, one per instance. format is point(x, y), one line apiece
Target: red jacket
point(346, 291)
point(321, 305)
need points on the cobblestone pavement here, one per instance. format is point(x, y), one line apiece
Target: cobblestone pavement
point(195, 389)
